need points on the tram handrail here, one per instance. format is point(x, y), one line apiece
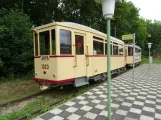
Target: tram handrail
point(87, 56)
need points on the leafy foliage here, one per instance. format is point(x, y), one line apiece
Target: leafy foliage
point(16, 43)
point(155, 30)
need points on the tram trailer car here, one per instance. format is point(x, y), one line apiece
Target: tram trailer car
point(129, 55)
point(70, 53)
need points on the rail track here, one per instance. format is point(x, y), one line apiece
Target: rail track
point(39, 109)
point(23, 98)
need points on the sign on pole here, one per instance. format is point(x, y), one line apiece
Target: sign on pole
point(131, 37)
point(128, 37)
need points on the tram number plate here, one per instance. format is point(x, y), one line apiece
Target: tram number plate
point(45, 66)
point(44, 57)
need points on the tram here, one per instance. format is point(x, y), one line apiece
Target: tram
point(129, 55)
point(70, 53)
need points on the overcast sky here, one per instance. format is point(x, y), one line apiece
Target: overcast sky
point(149, 9)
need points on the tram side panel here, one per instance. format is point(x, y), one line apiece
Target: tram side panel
point(99, 64)
point(117, 62)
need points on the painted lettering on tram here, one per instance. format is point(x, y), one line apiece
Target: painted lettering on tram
point(45, 66)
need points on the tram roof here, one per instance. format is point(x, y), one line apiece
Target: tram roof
point(131, 45)
point(80, 26)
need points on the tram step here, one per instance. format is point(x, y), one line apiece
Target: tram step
point(81, 81)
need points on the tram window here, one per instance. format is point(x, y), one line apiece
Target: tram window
point(53, 41)
point(111, 48)
point(36, 45)
point(139, 50)
point(44, 43)
point(106, 48)
point(97, 38)
point(115, 50)
point(65, 42)
point(79, 41)
point(130, 51)
point(120, 50)
point(98, 47)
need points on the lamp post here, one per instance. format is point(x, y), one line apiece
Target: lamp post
point(108, 8)
point(149, 46)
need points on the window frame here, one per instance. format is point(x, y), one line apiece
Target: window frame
point(52, 41)
point(111, 46)
point(115, 45)
point(36, 43)
point(71, 39)
point(100, 40)
point(39, 42)
point(131, 53)
point(122, 49)
point(76, 44)
point(101, 43)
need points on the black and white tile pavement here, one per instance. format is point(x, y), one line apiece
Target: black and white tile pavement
point(141, 102)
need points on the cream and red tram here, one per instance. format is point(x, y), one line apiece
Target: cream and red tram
point(129, 55)
point(66, 52)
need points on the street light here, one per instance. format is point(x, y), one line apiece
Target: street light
point(108, 8)
point(149, 46)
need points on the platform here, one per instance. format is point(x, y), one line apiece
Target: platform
point(141, 102)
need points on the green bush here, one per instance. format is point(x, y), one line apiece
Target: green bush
point(16, 46)
point(1, 63)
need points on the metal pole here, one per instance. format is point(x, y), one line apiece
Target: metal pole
point(133, 58)
point(109, 69)
point(149, 58)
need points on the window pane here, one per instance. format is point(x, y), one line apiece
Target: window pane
point(97, 38)
point(105, 48)
point(115, 50)
point(79, 41)
point(36, 45)
point(111, 48)
point(65, 42)
point(130, 51)
point(120, 49)
point(98, 47)
point(137, 50)
point(44, 43)
point(53, 42)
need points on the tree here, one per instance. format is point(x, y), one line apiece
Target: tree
point(16, 50)
point(154, 28)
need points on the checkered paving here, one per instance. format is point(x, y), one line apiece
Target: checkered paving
point(141, 102)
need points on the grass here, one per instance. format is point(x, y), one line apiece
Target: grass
point(24, 111)
point(155, 61)
point(17, 89)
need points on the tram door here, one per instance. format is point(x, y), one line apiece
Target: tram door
point(80, 58)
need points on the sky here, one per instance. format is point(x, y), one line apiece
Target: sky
point(149, 9)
